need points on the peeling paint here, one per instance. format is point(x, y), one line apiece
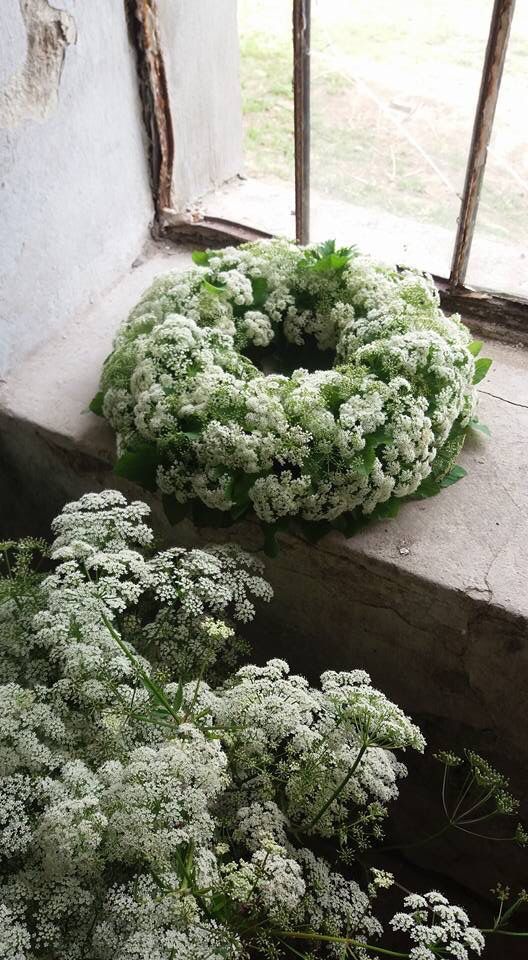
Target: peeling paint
point(153, 89)
point(32, 92)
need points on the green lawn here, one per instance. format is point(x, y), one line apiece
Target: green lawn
point(394, 87)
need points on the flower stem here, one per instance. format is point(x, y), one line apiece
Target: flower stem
point(326, 938)
point(339, 789)
point(415, 843)
point(505, 933)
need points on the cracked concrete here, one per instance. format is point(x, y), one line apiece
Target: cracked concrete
point(504, 400)
point(433, 604)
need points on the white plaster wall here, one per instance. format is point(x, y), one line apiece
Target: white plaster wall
point(199, 39)
point(75, 201)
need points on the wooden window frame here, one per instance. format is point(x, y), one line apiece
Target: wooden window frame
point(498, 314)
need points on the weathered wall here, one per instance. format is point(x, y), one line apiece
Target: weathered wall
point(200, 48)
point(75, 201)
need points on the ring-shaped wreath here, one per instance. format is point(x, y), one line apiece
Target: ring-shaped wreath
point(310, 383)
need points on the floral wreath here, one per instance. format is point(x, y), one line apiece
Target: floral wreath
point(309, 383)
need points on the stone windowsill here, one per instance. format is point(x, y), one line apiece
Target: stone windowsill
point(433, 604)
point(472, 538)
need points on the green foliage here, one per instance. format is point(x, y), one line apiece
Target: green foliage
point(20, 576)
point(216, 289)
point(474, 794)
point(201, 257)
point(432, 486)
point(475, 347)
point(477, 424)
point(369, 453)
point(260, 291)
point(140, 465)
point(325, 258)
point(481, 368)
point(96, 405)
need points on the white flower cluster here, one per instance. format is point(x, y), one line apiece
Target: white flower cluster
point(191, 380)
point(147, 814)
point(297, 743)
point(437, 928)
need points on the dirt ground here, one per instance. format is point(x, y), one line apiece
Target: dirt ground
point(394, 88)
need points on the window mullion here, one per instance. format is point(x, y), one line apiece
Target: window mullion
point(501, 20)
point(301, 101)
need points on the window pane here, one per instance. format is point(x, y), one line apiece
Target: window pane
point(499, 255)
point(266, 197)
point(394, 89)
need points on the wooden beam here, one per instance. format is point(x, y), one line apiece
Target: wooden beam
point(501, 19)
point(206, 231)
point(142, 18)
point(493, 314)
point(301, 109)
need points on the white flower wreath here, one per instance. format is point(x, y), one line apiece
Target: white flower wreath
point(298, 382)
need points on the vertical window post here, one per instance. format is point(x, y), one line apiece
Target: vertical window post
point(301, 104)
point(501, 19)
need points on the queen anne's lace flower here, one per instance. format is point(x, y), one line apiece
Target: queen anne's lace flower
point(191, 382)
point(436, 927)
point(147, 814)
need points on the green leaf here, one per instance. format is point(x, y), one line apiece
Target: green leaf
point(432, 486)
point(368, 454)
point(428, 488)
point(475, 347)
point(481, 368)
point(96, 405)
point(260, 291)
point(140, 465)
point(242, 484)
point(324, 257)
point(387, 510)
point(174, 511)
point(211, 288)
point(191, 425)
point(455, 474)
point(201, 257)
point(379, 438)
point(368, 457)
point(325, 249)
point(482, 427)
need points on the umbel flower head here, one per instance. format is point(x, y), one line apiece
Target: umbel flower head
point(437, 928)
point(295, 382)
point(153, 807)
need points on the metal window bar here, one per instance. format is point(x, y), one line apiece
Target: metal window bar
point(301, 116)
point(499, 32)
point(501, 19)
point(500, 314)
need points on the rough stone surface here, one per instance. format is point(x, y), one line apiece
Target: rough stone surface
point(74, 189)
point(433, 604)
point(32, 90)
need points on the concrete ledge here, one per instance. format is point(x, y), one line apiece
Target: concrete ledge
point(433, 604)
